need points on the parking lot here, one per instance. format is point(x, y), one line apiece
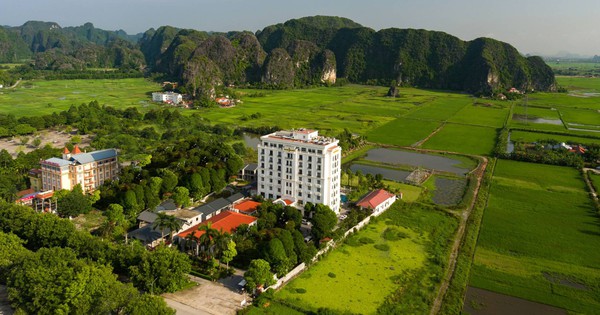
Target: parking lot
point(209, 297)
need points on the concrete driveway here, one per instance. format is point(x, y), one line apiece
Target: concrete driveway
point(207, 298)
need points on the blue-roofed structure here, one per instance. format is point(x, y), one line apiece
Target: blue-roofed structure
point(90, 170)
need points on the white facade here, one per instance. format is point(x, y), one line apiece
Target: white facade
point(301, 166)
point(167, 97)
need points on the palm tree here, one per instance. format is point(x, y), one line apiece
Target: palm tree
point(207, 239)
point(221, 242)
point(165, 221)
point(193, 242)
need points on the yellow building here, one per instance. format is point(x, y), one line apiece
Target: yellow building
point(90, 170)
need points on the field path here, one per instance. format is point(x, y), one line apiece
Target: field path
point(464, 217)
point(586, 178)
point(420, 142)
point(15, 85)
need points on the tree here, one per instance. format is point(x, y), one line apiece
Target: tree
point(181, 196)
point(228, 254)
point(148, 304)
point(207, 239)
point(324, 220)
point(196, 186)
point(36, 142)
point(165, 221)
point(162, 270)
point(258, 275)
point(115, 223)
point(277, 257)
point(11, 250)
point(54, 281)
point(74, 203)
point(169, 180)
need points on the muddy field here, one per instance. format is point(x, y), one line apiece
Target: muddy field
point(55, 138)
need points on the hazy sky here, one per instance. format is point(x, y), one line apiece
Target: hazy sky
point(533, 26)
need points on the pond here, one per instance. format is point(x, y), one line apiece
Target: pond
point(484, 302)
point(387, 173)
point(536, 120)
point(510, 146)
point(428, 161)
point(448, 192)
point(251, 140)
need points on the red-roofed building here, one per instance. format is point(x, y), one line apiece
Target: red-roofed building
point(578, 149)
point(226, 221)
point(247, 206)
point(378, 201)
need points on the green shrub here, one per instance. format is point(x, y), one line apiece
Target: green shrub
point(300, 290)
point(331, 275)
point(366, 240)
point(393, 234)
point(382, 247)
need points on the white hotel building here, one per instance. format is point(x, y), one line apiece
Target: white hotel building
point(301, 166)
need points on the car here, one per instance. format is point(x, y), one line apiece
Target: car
point(308, 238)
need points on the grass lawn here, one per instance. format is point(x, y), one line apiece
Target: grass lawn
point(89, 221)
point(271, 308)
point(463, 139)
point(527, 136)
point(539, 238)
point(410, 193)
point(367, 268)
point(402, 131)
point(45, 97)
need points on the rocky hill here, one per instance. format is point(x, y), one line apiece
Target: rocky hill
point(298, 53)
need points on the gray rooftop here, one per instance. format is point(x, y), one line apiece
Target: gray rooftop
point(235, 197)
point(147, 234)
point(166, 205)
point(251, 167)
point(147, 216)
point(84, 158)
point(58, 161)
point(213, 207)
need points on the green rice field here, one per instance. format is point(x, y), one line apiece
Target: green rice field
point(463, 139)
point(32, 98)
point(539, 238)
point(486, 113)
point(403, 131)
point(529, 137)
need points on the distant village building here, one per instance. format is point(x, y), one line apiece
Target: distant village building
point(90, 170)
point(300, 166)
point(167, 97)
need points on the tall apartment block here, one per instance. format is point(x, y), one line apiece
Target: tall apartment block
point(301, 166)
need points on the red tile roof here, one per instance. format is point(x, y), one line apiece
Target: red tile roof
point(374, 199)
point(225, 221)
point(25, 192)
point(287, 201)
point(247, 206)
point(66, 151)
